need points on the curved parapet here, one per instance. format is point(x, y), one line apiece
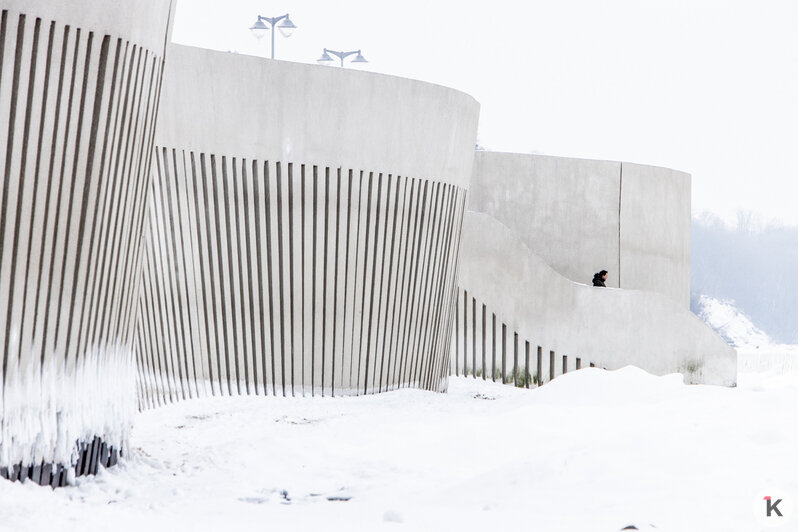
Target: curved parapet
point(79, 85)
point(581, 216)
point(245, 106)
point(608, 327)
point(304, 228)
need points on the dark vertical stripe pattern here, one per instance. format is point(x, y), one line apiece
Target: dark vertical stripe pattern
point(495, 351)
point(77, 115)
point(266, 277)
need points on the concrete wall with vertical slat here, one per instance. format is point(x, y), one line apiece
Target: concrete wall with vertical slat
point(79, 88)
point(490, 349)
point(303, 233)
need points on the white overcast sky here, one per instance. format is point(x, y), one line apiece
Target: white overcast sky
point(709, 87)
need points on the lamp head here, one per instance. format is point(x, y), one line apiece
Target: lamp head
point(259, 29)
point(286, 27)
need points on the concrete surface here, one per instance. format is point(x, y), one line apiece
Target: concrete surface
point(581, 216)
point(609, 327)
point(303, 232)
point(655, 231)
point(146, 23)
point(254, 108)
point(79, 84)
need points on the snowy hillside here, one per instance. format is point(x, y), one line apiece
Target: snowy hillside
point(729, 322)
point(753, 265)
point(758, 357)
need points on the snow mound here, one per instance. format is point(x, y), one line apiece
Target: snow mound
point(731, 323)
point(602, 388)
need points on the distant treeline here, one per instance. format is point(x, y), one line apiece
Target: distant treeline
point(756, 266)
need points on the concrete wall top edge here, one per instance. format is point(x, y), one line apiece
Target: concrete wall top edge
point(256, 59)
point(142, 22)
point(255, 108)
point(576, 160)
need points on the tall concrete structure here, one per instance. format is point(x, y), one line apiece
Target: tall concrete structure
point(216, 224)
point(536, 230)
point(303, 232)
point(581, 216)
point(79, 89)
point(504, 283)
point(296, 233)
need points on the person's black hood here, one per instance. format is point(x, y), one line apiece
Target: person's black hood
point(598, 278)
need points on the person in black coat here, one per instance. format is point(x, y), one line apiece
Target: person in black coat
point(599, 278)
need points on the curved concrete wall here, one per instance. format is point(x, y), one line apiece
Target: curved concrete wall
point(304, 230)
point(241, 105)
point(605, 326)
point(79, 85)
point(582, 216)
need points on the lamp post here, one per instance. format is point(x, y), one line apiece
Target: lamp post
point(286, 27)
point(325, 57)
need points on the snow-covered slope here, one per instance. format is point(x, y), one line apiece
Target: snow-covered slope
point(758, 357)
point(729, 322)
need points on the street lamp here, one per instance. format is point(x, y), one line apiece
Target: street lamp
point(325, 57)
point(286, 27)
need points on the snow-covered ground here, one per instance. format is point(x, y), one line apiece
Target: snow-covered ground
point(592, 451)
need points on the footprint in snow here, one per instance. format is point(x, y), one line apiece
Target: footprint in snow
point(253, 500)
point(483, 396)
